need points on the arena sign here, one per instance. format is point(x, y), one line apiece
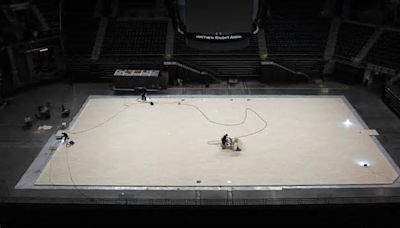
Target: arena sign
point(217, 38)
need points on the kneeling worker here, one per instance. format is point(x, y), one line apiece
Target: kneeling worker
point(225, 142)
point(232, 144)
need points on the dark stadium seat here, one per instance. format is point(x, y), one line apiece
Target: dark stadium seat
point(135, 37)
point(81, 35)
point(351, 39)
point(296, 34)
point(386, 51)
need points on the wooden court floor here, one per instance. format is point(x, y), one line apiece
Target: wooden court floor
point(287, 140)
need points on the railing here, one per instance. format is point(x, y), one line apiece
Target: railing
point(193, 68)
point(392, 100)
point(286, 69)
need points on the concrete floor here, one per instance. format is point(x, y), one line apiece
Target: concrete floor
point(19, 147)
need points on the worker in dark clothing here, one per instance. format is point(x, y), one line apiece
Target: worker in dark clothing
point(225, 140)
point(143, 95)
point(64, 137)
point(234, 144)
point(144, 98)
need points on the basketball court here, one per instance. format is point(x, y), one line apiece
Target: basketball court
point(174, 141)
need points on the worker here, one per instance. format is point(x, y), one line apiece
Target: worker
point(234, 144)
point(224, 139)
point(65, 139)
point(143, 96)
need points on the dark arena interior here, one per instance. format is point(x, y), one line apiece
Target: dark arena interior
point(125, 112)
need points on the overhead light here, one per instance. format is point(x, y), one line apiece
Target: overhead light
point(43, 49)
point(364, 163)
point(348, 123)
